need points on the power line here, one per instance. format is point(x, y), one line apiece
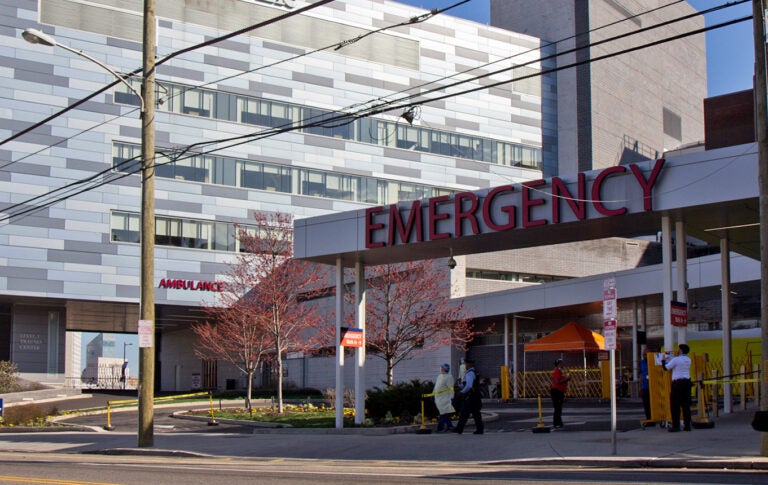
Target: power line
point(412, 20)
point(351, 117)
point(407, 101)
point(165, 59)
point(335, 46)
point(347, 118)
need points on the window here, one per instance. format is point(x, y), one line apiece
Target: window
point(124, 95)
point(527, 278)
point(276, 178)
point(168, 232)
point(125, 227)
point(197, 102)
point(195, 234)
point(185, 233)
point(257, 111)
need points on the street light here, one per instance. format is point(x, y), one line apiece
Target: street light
point(147, 234)
point(34, 36)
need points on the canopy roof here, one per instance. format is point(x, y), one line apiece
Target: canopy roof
point(570, 338)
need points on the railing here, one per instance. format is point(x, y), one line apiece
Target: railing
point(584, 383)
point(103, 382)
point(128, 402)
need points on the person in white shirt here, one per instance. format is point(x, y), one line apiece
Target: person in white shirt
point(680, 394)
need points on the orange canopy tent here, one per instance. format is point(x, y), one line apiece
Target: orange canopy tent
point(570, 338)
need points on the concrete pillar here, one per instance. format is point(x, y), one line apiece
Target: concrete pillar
point(360, 292)
point(682, 273)
point(666, 284)
point(339, 348)
point(725, 309)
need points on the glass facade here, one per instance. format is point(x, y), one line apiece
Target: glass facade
point(178, 232)
point(237, 108)
point(484, 274)
point(274, 177)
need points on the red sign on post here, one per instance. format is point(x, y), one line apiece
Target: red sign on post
point(351, 337)
point(609, 334)
point(679, 313)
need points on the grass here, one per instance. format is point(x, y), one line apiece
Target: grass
point(301, 416)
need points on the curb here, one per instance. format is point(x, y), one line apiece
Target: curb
point(719, 463)
point(261, 427)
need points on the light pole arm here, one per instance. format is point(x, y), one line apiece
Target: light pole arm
point(107, 68)
point(34, 36)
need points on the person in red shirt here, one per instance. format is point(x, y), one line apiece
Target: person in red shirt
point(557, 392)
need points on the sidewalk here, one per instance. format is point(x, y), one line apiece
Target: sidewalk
point(731, 444)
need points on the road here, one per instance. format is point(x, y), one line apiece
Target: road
point(579, 415)
point(156, 470)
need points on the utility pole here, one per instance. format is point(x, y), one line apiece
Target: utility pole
point(147, 283)
point(761, 135)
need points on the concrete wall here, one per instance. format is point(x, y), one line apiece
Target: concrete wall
point(604, 103)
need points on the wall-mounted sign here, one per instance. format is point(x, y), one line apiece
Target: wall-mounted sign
point(679, 313)
point(351, 337)
point(507, 207)
point(145, 334)
point(192, 285)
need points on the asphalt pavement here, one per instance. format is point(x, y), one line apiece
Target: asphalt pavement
point(514, 434)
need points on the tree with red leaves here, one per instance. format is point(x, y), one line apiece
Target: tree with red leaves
point(409, 311)
point(268, 300)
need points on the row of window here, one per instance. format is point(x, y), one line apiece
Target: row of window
point(515, 277)
point(257, 111)
point(275, 178)
point(177, 232)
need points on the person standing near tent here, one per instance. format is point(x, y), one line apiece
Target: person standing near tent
point(680, 394)
point(557, 392)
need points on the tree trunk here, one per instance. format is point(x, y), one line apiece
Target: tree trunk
point(249, 377)
point(279, 382)
point(390, 371)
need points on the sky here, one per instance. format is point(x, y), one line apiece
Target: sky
point(730, 50)
point(730, 60)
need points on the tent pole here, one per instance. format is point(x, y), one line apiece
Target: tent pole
point(525, 374)
point(584, 353)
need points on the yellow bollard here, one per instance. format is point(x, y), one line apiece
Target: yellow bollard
point(212, 422)
point(540, 427)
point(423, 429)
point(701, 421)
point(109, 426)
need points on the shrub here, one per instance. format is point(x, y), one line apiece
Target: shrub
point(402, 400)
point(269, 392)
point(9, 379)
point(348, 397)
point(28, 414)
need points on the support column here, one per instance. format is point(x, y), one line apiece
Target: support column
point(506, 342)
point(514, 356)
point(725, 309)
point(761, 135)
point(360, 292)
point(682, 273)
point(339, 349)
point(666, 284)
point(635, 353)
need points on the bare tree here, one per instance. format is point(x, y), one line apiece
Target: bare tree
point(236, 334)
point(409, 311)
point(285, 290)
